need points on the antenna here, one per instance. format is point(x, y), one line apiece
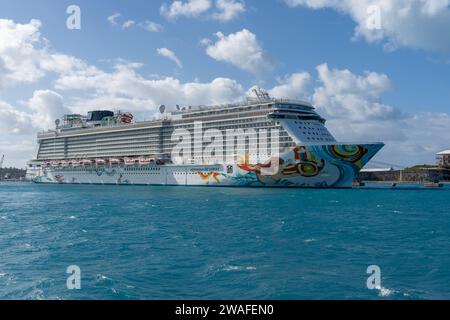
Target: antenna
point(261, 94)
point(1, 161)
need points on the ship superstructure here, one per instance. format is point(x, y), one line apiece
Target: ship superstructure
point(108, 147)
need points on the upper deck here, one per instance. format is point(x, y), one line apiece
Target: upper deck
point(182, 115)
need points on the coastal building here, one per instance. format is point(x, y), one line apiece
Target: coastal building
point(444, 158)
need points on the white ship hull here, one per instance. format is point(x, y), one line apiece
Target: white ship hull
point(318, 166)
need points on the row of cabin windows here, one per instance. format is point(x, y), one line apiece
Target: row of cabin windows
point(82, 169)
point(145, 173)
point(320, 133)
point(222, 111)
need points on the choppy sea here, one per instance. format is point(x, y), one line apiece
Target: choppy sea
point(222, 243)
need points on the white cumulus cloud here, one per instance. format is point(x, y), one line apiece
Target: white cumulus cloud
point(240, 49)
point(220, 10)
point(228, 10)
point(151, 26)
point(169, 54)
point(112, 19)
point(189, 8)
point(12, 120)
point(125, 88)
point(343, 94)
point(128, 24)
point(294, 86)
point(148, 25)
point(46, 106)
point(26, 57)
point(419, 24)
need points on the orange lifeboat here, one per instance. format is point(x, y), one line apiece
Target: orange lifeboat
point(131, 161)
point(75, 163)
point(100, 161)
point(87, 162)
point(145, 161)
point(115, 161)
point(126, 118)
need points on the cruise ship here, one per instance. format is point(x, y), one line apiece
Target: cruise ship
point(261, 142)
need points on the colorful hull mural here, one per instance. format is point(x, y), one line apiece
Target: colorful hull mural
point(313, 166)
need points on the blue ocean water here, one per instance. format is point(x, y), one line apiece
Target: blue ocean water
point(213, 243)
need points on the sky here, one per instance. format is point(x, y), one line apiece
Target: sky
point(378, 70)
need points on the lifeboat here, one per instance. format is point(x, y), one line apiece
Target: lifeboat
point(126, 118)
point(100, 161)
point(87, 162)
point(145, 161)
point(131, 161)
point(75, 163)
point(65, 163)
point(116, 161)
point(55, 163)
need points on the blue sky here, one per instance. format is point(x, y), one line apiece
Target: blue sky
point(294, 36)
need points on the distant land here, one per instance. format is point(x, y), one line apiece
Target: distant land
point(419, 173)
point(12, 174)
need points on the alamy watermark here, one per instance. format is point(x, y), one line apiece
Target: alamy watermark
point(73, 22)
point(213, 146)
point(74, 279)
point(374, 280)
point(373, 21)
